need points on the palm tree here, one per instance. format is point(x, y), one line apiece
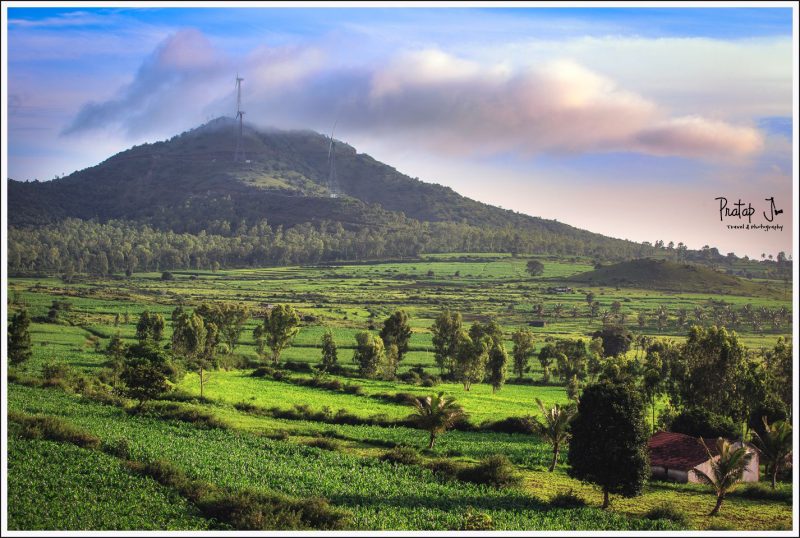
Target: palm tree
point(774, 445)
point(436, 414)
point(554, 428)
point(726, 470)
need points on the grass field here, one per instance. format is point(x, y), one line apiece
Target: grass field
point(260, 452)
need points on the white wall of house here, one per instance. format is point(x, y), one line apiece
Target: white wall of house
point(751, 472)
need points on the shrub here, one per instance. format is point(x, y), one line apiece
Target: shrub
point(444, 470)
point(699, 422)
point(172, 411)
point(524, 425)
point(567, 499)
point(763, 491)
point(323, 443)
point(496, 471)
point(263, 371)
point(404, 455)
point(476, 521)
point(166, 275)
point(56, 370)
point(53, 429)
point(430, 381)
point(351, 388)
point(670, 512)
point(119, 447)
point(279, 435)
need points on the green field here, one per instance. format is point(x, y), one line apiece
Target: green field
point(264, 453)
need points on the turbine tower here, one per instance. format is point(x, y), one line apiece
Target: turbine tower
point(239, 155)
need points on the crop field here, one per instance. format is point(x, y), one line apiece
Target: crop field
point(255, 444)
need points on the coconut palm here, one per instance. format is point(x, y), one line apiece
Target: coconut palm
point(436, 414)
point(774, 445)
point(555, 427)
point(726, 470)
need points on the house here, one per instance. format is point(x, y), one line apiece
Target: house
point(674, 455)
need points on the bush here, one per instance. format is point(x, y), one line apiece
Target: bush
point(404, 455)
point(699, 422)
point(56, 370)
point(351, 388)
point(119, 448)
point(496, 471)
point(444, 470)
point(763, 491)
point(166, 275)
point(669, 512)
point(323, 443)
point(511, 425)
point(279, 435)
point(476, 521)
point(263, 371)
point(172, 411)
point(567, 499)
point(53, 429)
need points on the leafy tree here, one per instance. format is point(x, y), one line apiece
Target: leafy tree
point(388, 366)
point(535, 267)
point(150, 327)
point(195, 341)
point(471, 358)
point(229, 318)
point(329, 352)
point(436, 414)
point(554, 427)
point(573, 388)
point(116, 348)
point(546, 357)
point(778, 362)
point(523, 349)
point(775, 445)
point(590, 298)
point(369, 354)
point(397, 331)
point(19, 338)
point(496, 367)
point(281, 324)
point(609, 440)
point(446, 329)
point(726, 470)
point(146, 372)
point(616, 340)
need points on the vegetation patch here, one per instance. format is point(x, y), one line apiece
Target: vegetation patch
point(670, 512)
point(496, 471)
point(53, 429)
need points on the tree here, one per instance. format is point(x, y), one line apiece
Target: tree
point(229, 319)
point(446, 329)
point(190, 339)
point(546, 357)
point(590, 298)
point(369, 354)
point(534, 267)
point(609, 440)
point(436, 414)
point(778, 362)
point(281, 324)
point(150, 327)
point(19, 338)
point(397, 331)
point(329, 353)
point(775, 445)
point(471, 357)
point(146, 372)
point(726, 470)
point(616, 340)
point(116, 348)
point(523, 349)
point(573, 388)
point(554, 428)
point(496, 367)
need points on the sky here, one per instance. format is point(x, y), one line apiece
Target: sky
point(625, 121)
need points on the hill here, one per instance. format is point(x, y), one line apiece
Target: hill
point(189, 182)
point(670, 276)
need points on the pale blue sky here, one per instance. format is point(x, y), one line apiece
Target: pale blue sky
point(599, 117)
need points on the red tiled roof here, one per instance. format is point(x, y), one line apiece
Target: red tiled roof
point(678, 451)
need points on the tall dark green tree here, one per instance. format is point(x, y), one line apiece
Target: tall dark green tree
point(150, 327)
point(146, 372)
point(397, 331)
point(609, 440)
point(369, 354)
point(523, 349)
point(281, 324)
point(19, 338)
point(329, 352)
point(534, 267)
point(471, 357)
point(229, 318)
point(446, 330)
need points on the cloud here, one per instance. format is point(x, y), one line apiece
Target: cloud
point(424, 97)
